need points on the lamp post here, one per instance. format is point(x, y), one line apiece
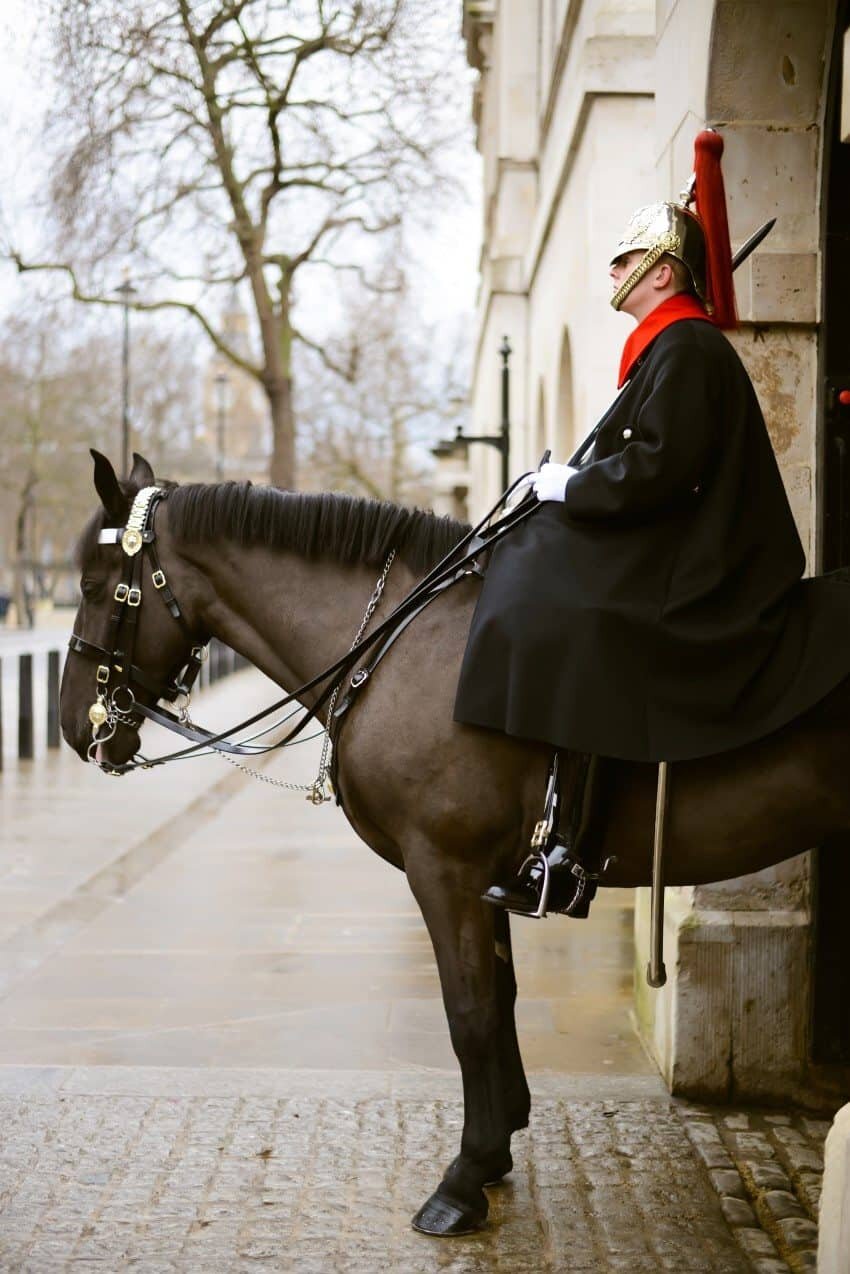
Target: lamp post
point(222, 382)
point(502, 440)
point(126, 292)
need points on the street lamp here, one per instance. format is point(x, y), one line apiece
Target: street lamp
point(502, 440)
point(126, 292)
point(222, 382)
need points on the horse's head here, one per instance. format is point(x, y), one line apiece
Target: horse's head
point(132, 643)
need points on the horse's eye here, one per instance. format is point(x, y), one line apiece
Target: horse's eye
point(90, 587)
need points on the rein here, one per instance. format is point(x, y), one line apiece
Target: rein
point(116, 669)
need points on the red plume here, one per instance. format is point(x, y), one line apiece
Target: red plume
point(711, 210)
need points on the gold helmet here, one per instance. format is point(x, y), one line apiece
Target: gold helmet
point(660, 228)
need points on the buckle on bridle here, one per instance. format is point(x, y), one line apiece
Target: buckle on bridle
point(121, 592)
point(200, 654)
point(102, 674)
point(134, 597)
point(158, 578)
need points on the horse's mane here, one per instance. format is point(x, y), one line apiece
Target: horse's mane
point(345, 528)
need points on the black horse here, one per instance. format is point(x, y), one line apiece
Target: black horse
point(284, 580)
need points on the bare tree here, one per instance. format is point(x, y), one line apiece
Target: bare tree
point(59, 396)
point(216, 142)
point(371, 432)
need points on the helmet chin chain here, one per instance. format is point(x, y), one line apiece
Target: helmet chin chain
point(667, 243)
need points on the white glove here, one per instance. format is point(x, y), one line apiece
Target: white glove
point(550, 483)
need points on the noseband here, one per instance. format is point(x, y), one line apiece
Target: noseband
point(117, 676)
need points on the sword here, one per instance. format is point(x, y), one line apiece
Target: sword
point(752, 243)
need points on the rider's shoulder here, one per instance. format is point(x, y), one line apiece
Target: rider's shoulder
point(692, 333)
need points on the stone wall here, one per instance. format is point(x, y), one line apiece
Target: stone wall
point(733, 1019)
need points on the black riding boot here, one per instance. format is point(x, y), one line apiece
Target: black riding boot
point(522, 895)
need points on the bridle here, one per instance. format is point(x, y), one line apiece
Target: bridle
point(117, 676)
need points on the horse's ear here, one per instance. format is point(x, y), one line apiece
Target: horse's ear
point(107, 486)
point(141, 475)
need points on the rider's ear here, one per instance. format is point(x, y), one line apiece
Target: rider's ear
point(141, 475)
point(108, 488)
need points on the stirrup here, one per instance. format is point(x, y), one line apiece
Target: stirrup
point(539, 856)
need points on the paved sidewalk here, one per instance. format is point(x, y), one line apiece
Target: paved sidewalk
point(222, 1047)
point(319, 1184)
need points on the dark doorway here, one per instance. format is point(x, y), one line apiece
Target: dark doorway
point(831, 1020)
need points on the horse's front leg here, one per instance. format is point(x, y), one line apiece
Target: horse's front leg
point(462, 932)
point(517, 1096)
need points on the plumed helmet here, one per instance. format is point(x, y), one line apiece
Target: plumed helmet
point(660, 228)
point(699, 239)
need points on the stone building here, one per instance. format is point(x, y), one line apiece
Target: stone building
point(584, 110)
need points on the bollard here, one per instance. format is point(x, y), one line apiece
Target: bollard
point(53, 699)
point(25, 720)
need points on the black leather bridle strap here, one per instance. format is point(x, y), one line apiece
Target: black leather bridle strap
point(362, 675)
point(91, 650)
point(159, 581)
point(195, 733)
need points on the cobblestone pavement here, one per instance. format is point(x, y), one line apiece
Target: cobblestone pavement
point(223, 1048)
point(316, 1186)
point(767, 1169)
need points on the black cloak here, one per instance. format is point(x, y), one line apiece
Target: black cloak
point(659, 613)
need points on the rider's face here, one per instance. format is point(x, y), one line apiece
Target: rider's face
point(620, 270)
point(643, 296)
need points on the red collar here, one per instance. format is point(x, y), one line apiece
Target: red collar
point(681, 306)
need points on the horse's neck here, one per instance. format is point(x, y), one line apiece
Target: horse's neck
point(290, 617)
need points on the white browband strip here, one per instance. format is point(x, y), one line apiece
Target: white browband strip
point(111, 535)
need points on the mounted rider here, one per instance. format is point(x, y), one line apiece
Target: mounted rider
point(653, 609)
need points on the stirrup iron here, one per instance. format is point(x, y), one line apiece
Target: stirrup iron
point(539, 856)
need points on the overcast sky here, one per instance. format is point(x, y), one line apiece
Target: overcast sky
point(446, 257)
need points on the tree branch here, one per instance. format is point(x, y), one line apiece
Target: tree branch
point(147, 307)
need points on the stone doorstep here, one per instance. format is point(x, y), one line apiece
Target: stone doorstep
point(767, 1168)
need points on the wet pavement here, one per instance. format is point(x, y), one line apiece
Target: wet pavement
point(222, 1047)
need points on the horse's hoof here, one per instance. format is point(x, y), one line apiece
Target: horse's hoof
point(447, 1219)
